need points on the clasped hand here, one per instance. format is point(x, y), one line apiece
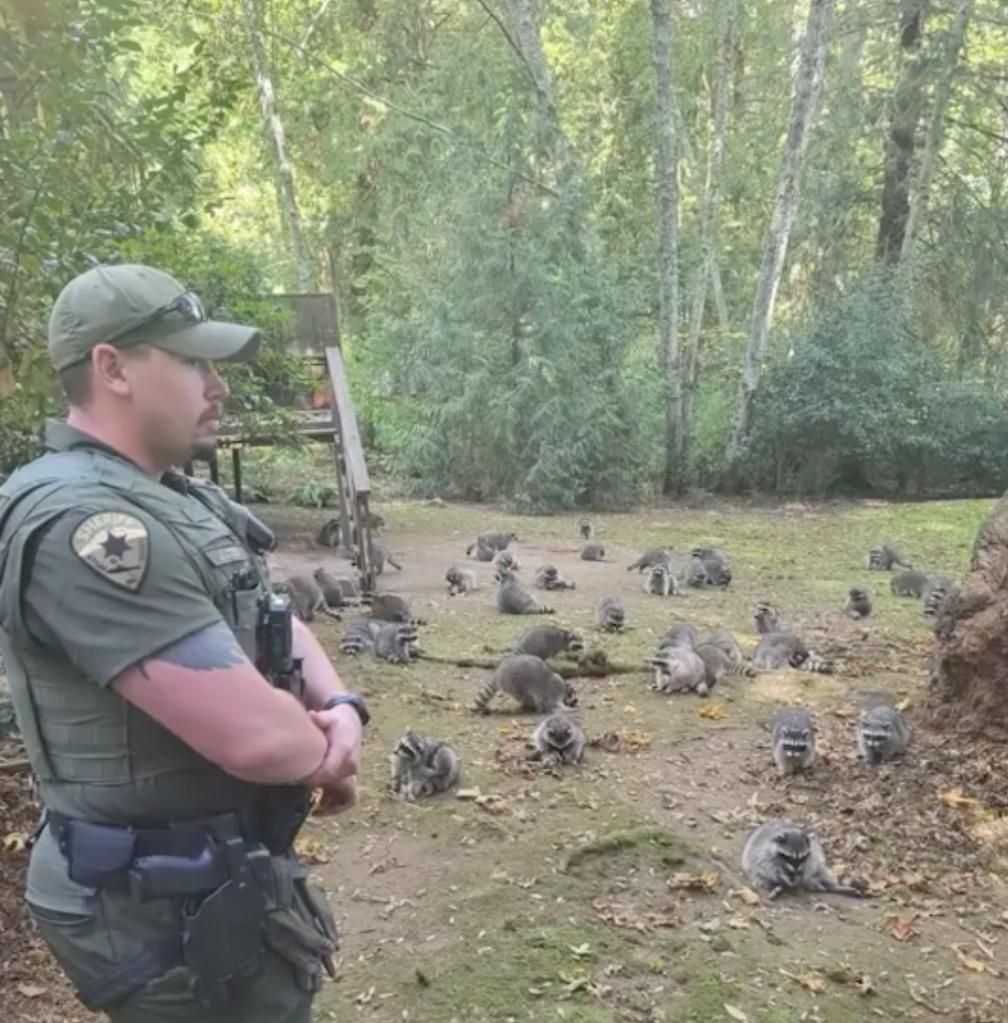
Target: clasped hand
point(336, 776)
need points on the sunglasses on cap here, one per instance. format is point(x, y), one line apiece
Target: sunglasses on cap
point(187, 305)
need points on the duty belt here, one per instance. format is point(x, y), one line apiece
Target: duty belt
point(184, 858)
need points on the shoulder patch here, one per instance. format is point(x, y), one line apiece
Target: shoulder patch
point(115, 545)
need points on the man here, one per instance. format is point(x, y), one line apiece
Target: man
point(136, 624)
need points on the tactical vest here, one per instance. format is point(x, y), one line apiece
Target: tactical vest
point(96, 757)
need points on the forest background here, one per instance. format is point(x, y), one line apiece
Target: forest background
point(585, 252)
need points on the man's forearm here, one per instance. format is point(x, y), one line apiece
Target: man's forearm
point(320, 677)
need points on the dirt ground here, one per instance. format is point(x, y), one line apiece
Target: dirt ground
point(613, 891)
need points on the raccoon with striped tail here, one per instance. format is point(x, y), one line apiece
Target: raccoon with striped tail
point(395, 642)
point(781, 857)
point(530, 681)
point(777, 650)
point(679, 669)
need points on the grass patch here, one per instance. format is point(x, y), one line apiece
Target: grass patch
point(672, 851)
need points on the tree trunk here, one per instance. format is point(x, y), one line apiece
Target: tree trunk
point(932, 142)
point(551, 131)
point(969, 670)
point(908, 100)
point(283, 172)
point(668, 247)
point(707, 276)
point(808, 85)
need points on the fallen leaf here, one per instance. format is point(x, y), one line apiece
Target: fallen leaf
point(684, 881)
point(631, 918)
point(575, 982)
point(902, 929)
point(748, 896)
point(738, 924)
point(580, 951)
point(15, 841)
point(365, 996)
point(468, 793)
point(904, 704)
point(969, 963)
point(31, 990)
point(311, 850)
point(956, 798)
point(865, 985)
point(713, 711)
point(736, 1014)
point(811, 981)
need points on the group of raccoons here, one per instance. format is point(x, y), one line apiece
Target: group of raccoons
point(779, 855)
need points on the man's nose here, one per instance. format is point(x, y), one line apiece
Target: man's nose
point(217, 387)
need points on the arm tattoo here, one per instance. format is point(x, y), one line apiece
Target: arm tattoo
point(206, 649)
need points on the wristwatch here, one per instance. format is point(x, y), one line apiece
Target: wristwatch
point(354, 699)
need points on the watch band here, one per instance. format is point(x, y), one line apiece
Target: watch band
point(354, 699)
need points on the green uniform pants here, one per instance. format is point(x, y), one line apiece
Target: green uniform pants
point(112, 946)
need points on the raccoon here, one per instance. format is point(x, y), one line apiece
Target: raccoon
point(492, 542)
point(329, 534)
point(650, 558)
point(514, 599)
point(793, 737)
point(680, 670)
point(610, 614)
point(547, 641)
point(391, 641)
point(592, 552)
point(725, 642)
point(934, 595)
point(380, 557)
point(460, 580)
point(883, 734)
point(531, 682)
point(422, 767)
point(585, 529)
point(559, 739)
point(338, 590)
point(718, 665)
point(306, 598)
point(882, 557)
point(660, 581)
point(908, 584)
point(858, 603)
point(783, 650)
point(481, 552)
point(360, 636)
point(396, 642)
point(506, 559)
point(769, 619)
point(680, 634)
point(779, 856)
point(391, 608)
point(709, 572)
point(548, 577)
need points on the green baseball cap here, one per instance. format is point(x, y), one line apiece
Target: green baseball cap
point(131, 304)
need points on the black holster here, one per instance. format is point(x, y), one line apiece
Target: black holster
point(222, 938)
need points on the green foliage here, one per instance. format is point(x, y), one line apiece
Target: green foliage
point(862, 404)
point(231, 284)
point(314, 494)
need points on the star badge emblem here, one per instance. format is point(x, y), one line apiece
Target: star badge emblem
point(115, 545)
